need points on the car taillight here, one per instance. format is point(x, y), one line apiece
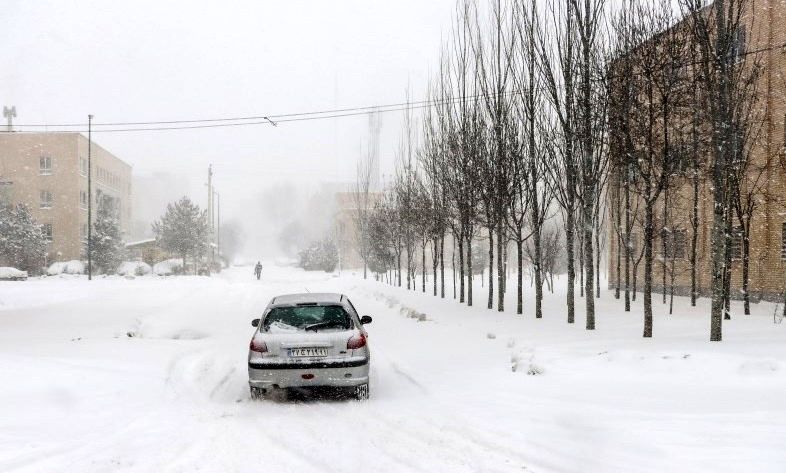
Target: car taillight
point(257, 346)
point(356, 341)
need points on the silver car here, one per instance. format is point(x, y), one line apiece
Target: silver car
point(309, 340)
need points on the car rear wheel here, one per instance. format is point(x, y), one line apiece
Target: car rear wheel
point(360, 392)
point(257, 393)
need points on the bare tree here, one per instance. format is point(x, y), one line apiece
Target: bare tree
point(717, 31)
point(556, 50)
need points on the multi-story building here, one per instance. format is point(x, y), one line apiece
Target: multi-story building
point(346, 231)
point(762, 34)
point(48, 173)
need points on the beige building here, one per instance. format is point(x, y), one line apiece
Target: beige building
point(48, 173)
point(346, 229)
point(764, 34)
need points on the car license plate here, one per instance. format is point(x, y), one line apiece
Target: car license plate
point(305, 352)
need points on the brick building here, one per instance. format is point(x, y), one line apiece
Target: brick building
point(345, 220)
point(765, 34)
point(48, 173)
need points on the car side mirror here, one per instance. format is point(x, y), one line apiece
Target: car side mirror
point(366, 319)
point(255, 323)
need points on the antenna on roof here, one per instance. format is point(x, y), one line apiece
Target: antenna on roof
point(308, 291)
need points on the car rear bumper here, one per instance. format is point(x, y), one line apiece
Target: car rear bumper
point(344, 372)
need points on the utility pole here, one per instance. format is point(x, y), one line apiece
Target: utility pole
point(210, 213)
point(218, 227)
point(89, 199)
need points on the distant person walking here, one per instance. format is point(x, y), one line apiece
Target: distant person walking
point(258, 270)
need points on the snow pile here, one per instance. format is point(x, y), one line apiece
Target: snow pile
point(134, 268)
point(168, 267)
point(413, 314)
point(66, 267)
point(12, 274)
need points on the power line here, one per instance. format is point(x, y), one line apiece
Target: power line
point(254, 119)
point(224, 125)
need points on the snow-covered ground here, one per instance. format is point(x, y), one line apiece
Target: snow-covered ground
point(149, 375)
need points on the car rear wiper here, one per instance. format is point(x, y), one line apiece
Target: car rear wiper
point(328, 323)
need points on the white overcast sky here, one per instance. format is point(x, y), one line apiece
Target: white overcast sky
point(151, 60)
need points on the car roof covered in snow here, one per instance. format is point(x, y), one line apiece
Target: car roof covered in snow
point(307, 298)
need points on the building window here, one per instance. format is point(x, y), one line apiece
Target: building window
point(736, 242)
point(674, 243)
point(83, 232)
point(783, 242)
point(83, 199)
point(82, 166)
point(46, 229)
point(45, 165)
point(46, 200)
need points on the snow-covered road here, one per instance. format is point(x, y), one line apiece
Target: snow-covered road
point(149, 375)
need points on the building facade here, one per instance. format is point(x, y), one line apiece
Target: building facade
point(345, 222)
point(764, 36)
point(48, 173)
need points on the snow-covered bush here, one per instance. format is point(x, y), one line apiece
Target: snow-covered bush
point(66, 267)
point(168, 267)
point(22, 241)
point(320, 255)
point(12, 274)
point(108, 246)
point(134, 268)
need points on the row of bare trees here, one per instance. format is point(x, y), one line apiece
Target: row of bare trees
point(685, 118)
point(512, 151)
point(562, 117)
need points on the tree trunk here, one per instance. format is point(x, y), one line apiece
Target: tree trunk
point(538, 274)
point(442, 264)
point(665, 233)
point(491, 266)
point(627, 243)
point(520, 278)
point(727, 276)
point(581, 263)
point(671, 288)
point(398, 268)
point(469, 271)
point(597, 257)
point(618, 217)
point(423, 265)
point(589, 256)
point(435, 261)
point(746, 267)
point(648, 234)
point(453, 265)
point(461, 268)
point(569, 238)
point(500, 269)
point(409, 269)
point(694, 293)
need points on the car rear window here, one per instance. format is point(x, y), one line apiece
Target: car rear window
point(302, 317)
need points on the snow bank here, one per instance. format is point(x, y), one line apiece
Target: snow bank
point(66, 267)
point(134, 268)
point(168, 267)
point(12, 274)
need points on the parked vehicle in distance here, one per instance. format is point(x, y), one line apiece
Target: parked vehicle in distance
point(309, 340)
point(8, 273)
